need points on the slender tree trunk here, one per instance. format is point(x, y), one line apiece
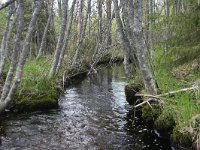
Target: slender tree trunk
point(86, 18)
point(141, 47)
point(23, 55)
point(123, 38)
point(100, 20)
point(109, 22)
point(16, 50)
point(4, 39)
point(80, 32)
point(131, 55)
point(151, 12)
point(67, 37)
point(60, 40)
point(44, 37)
point(8, 45)
point(60, 8)
point(167, 13)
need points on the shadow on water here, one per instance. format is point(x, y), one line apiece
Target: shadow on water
point(92, 115)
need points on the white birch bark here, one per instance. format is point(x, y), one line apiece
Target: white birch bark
point(80, 32)
point(44, 37)
point(4, 39)
point(6, 4)
point(142, 49)
point(8, 44)
point(67, 37)
point(123, 39)
point(22, 58)
point(15, 52)
point(60, 40)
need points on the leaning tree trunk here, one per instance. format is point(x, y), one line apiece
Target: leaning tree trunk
point(141, 48)
point(20, 27)
point(67, 37)
point(4, 39)
point(60, 40)
point(22, 58)
point(8, 45)
point(44, 37)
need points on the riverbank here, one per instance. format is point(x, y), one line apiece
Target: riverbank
point(39, 92)
point(179, 115)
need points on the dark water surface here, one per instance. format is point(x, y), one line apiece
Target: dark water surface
point(93, 115)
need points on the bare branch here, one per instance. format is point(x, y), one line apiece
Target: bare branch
point(169, 93)
point(6, 4)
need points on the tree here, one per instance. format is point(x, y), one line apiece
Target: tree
point(44, 37)
point(60, 39)
point(22, 58)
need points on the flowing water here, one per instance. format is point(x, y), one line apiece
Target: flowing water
point(93, 115)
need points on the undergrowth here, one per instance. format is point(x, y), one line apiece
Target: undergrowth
point(36, 90)
point(180, 107)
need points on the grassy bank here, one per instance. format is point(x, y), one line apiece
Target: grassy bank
point(37, 91)
point(180, 113)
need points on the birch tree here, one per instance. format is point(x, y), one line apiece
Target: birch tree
point(60, 39)
point(141, 48)
point(22, 58)
point(4, 39)
point(16, 49)
point(79, 36)
point(44, 37)
point(67, 37)
point(123, 38)
point(8, 44)
point(109, 21)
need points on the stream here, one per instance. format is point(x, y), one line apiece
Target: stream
point(92, 115)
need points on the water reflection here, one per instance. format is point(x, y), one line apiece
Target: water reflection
point(92, 115)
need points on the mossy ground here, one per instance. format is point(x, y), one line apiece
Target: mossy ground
point(178, 110)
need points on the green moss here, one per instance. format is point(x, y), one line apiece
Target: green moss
point(165, 121)
point(182, 138)
point(36, 104)
point(130, 91)
point(151, 113)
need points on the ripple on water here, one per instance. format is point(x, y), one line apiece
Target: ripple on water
point(93, 115)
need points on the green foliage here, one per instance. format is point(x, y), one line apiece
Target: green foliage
point(185, 39)
point(3, 16)
point(179, 108)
